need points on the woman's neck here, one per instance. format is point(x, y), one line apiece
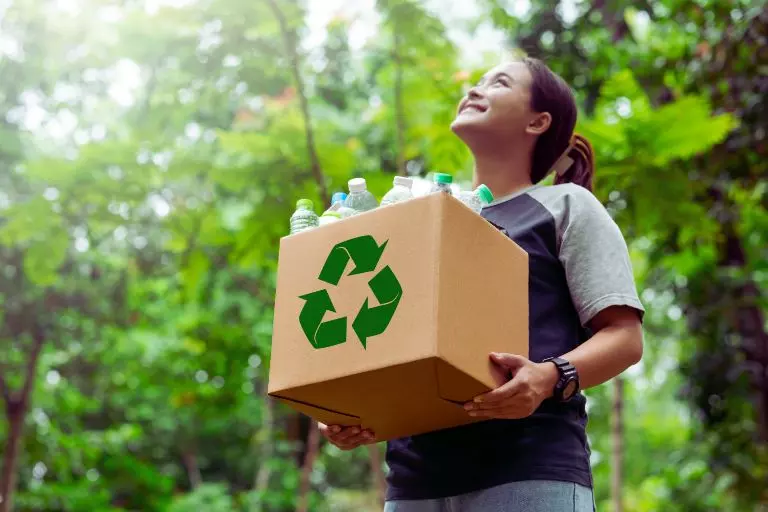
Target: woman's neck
point(504, 172)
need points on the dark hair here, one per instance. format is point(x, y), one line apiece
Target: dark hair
point(550, 93)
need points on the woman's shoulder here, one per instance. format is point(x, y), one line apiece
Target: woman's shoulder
point(568, 202)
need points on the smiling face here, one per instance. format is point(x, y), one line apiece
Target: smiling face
point(498, 109)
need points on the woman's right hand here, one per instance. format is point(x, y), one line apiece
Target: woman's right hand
point(346, 438)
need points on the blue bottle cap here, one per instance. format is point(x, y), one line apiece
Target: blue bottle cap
point(338, 197)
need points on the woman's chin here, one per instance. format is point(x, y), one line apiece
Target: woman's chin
point(465, 125)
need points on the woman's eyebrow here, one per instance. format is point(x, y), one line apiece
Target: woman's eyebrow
point(495, 75)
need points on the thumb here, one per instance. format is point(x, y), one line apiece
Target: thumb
point(509, 361)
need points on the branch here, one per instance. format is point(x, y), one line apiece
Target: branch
point(293, 54)
point(38, 339)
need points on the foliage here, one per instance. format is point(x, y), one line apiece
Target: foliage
point(151, 154)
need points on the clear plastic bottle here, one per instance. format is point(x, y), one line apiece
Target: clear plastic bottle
point(304, 217)
point(400, 191)
point(442, 183)
point(359, 198)
point(337, 205)
point(477, 198)
point(338, 197)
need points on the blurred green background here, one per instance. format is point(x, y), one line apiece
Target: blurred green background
point(151, 152)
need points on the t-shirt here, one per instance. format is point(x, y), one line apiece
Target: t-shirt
point(578, 266)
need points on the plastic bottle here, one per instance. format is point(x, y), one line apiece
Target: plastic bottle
point(329, 217)
point(338, 197)
point(337, 205)
point(304, 217)
point(400, 191)
point(359, 199)
point(442, 183)
point(477, 198)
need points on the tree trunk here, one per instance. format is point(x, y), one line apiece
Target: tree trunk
point(16, 408)
point(193, 470)
point(617, 446)
point(377, 474)
point(15, 415)
point(746, 318)
point(293, 54)
point(261, 482)
point(305, 485)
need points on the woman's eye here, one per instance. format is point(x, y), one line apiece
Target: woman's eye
point(502, 81)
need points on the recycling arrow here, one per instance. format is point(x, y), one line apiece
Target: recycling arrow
point(363, 251)
point(321, 334)
point(374, 321)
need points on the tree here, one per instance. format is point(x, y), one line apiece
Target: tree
point(151, 155)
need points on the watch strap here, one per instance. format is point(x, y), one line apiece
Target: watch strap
point(568, 373)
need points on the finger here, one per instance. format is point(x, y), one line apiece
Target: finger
point(503, 392)
point(511, 362)
point(364, 437)
point(517, 400)
point(346, 433)
point(328, 430)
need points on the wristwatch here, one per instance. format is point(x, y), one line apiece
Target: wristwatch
point(568, 383)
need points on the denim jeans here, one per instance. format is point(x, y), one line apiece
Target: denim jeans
point(527, 496)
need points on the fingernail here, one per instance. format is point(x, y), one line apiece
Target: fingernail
point(368, 435)
point(335, 429)
point(355, 431)
point(469, 406)
point(478, 399)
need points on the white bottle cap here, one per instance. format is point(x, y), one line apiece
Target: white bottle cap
point(357, 185)
point(404, 181)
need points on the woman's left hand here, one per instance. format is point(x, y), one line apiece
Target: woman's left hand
point(519, 396)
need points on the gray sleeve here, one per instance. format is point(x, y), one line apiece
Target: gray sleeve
point(594, 254)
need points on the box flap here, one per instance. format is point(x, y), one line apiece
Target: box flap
point(320, 414)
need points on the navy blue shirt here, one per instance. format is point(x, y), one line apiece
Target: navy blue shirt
point(579, 265)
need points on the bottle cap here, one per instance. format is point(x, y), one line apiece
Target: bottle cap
point(357, 185)
point(338, 197)
point(441, 177)
point(332, 213)
point(305, 203)
point(484, 193)
point(403, 181)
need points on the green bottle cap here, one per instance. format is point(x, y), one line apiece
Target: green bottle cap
point(485, 194)
point(441, 177)
point(304, 203)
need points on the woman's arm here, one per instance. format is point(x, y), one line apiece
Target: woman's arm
point(616, 345)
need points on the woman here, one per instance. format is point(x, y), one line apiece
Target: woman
point(532, 454)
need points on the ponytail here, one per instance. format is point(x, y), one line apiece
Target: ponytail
point(558, 149)
point(577, 164)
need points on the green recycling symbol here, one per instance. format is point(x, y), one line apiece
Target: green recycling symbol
point(365, 253)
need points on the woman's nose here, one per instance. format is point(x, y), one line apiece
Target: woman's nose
point(474, 93)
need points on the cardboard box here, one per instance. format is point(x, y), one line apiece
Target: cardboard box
point(386, 319)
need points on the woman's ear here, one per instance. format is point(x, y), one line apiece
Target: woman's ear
point(539, 124)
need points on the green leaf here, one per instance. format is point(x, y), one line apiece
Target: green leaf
point(686, 128)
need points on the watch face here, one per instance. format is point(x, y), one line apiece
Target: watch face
point(569, 389)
